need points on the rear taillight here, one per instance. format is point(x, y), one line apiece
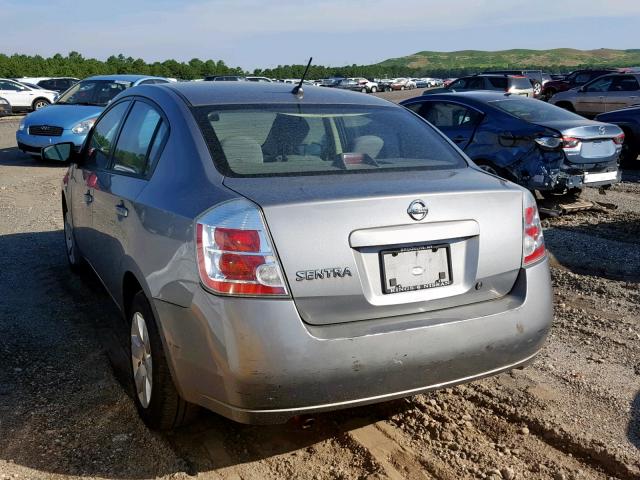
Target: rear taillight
point(570, 142)
point(619, 139)
point(532, 239)
point(235, 254)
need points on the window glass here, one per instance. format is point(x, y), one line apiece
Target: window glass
point(315, 139)
point(5, 85)
point(47, 84)
point(458, 84)
point(93, 92)
point(444, 114)
point(476, 83)
point(521, 83)
point(600, 85)
point(534, 110)
point(624, 83)
point(135, 140)
point(499, 83)
point(582, 78)
point(158, 142)
point(103, 137)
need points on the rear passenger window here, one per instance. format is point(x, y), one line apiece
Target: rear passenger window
point(137, 140)
point(499, 83)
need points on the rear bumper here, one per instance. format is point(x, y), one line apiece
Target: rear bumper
point(256, 361)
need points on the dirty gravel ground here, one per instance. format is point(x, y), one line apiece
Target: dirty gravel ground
point(573, 414)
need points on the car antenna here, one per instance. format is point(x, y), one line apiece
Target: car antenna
point(297, 90)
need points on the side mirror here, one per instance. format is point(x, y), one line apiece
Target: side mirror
point(61, 152)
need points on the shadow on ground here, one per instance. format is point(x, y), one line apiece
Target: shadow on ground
point(64, 404)
point(633, 432)
point(14, 157)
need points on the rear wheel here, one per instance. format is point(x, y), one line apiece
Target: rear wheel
point(74, 257)
point(493, 169)
point(537, 89)
point(374, 89)
point(155, 395)
point(629, 153)
point(39, 103)
point(363, 89)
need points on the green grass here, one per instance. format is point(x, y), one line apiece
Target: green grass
point(555, 59)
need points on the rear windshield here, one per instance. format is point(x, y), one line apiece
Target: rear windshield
point(266, 140)
point(534, 110)
point(93, 92)
point(521, 83)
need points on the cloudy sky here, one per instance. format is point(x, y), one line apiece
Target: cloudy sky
point(262, 33)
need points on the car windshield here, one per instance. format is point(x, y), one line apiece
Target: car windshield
point(266, 140)
point(93, 92)
point(534, 110)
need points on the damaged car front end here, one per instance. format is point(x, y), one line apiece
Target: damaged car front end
point(532, 143)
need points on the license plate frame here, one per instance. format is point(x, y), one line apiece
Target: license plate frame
point(387, 289)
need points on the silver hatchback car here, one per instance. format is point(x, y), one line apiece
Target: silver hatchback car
point(279, 254)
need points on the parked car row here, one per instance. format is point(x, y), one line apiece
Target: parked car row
point(56, 84)
point(24, 98)
point(514, 84)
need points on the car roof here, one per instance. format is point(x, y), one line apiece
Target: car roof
point(479, 96)
point(221, 93)
point(126, 78)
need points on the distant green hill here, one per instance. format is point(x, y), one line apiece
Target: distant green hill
point(555, 59)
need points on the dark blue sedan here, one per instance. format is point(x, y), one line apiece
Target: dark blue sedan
point(628, 119)
point(537, 145)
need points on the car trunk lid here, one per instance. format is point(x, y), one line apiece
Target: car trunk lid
point(336, 236)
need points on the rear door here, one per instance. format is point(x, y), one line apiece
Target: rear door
point(623, 91)
point(456, 121)
point(114, 210)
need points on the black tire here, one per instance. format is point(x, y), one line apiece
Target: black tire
point(39, 103)
point(402, 88)
point(629, 153)
point(493, 169)
point(549, 93)
point(74, 256)
point(166, 409)
point(363, 90)
point(374, 89)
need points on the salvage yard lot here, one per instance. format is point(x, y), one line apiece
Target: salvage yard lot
point(573, 413)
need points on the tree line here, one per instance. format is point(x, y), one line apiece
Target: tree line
point(75, 65)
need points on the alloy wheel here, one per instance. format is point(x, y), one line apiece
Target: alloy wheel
point(141, 359)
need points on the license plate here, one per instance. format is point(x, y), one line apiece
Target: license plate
point(415, 268)
point(600, 177)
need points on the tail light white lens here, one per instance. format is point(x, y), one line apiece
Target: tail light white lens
point(235, 255)
point(570, 142)
point(619, 139)
point(533, 248)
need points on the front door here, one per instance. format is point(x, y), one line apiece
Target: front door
point(590, 100)
point(16, 95)
point(88, 177)
point(456, 121)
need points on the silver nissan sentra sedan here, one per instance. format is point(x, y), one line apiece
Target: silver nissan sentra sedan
point(279, 254)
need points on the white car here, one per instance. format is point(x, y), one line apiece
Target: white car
point(24, 98)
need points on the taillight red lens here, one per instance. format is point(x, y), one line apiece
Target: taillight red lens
point(237, 259)
point(570, 142)
point(619, 139)
point(239, 267)
point(237, 240)
point(533, 248)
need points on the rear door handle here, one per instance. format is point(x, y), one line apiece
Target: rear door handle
point(122, 211)
point(88, 198)
point(459, 139)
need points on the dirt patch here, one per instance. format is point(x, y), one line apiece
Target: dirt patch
point(573, 414)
